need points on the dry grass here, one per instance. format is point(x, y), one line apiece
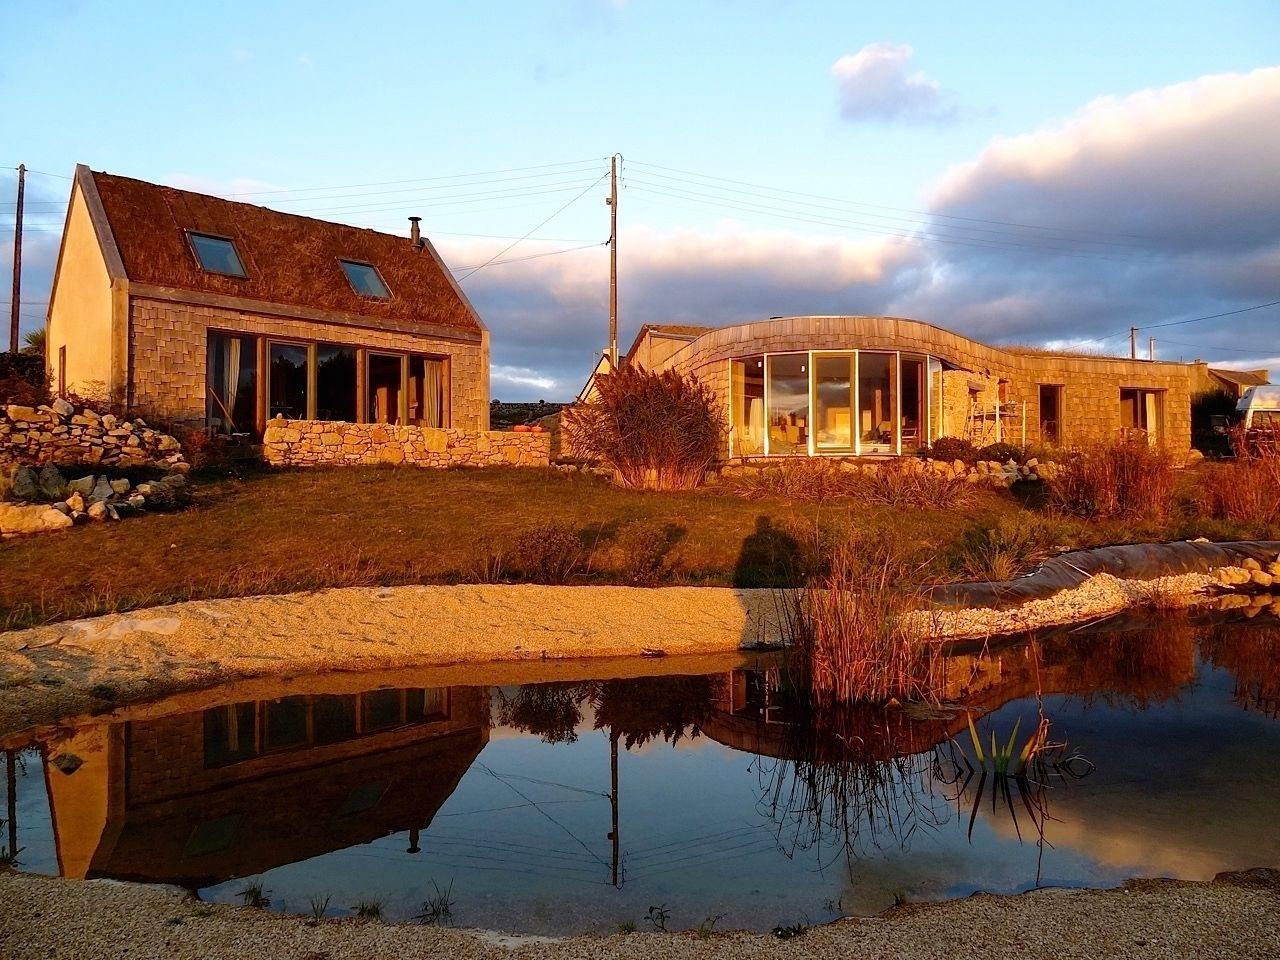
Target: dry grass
point(303, 530)
point(899, 482)
point(1123, 479)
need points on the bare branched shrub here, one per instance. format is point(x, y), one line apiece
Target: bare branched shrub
point(1123, 479)
point(848, 627)
point(549, 553)
point(658, 431)
point(897, 482)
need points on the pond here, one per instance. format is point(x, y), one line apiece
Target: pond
point(606, 793)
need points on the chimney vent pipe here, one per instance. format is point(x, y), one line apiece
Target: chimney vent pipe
point(414, 233)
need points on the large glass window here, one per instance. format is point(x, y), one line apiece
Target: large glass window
point(747, 437)
point(231, 380)
point(335, 382)
point(230, 734)
point(1142, 412)
point(289, 381)
point(833, 403)
point(384, 377)
point(426, 391)
point(788, 376)
point(914, 411)
point(876, 402)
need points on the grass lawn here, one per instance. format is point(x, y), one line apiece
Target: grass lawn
point(282, 531)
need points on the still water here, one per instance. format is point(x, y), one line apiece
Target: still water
point(709, 789)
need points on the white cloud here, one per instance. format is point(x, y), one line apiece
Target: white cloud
point(877, 83)
point(520, 377)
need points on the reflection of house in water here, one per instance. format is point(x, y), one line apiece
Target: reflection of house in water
point(202, 797)
point(754, 710)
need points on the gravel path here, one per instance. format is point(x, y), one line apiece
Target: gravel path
point(1235, 916)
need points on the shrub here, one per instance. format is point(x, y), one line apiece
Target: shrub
point(549, 553)
point(904, 482)
point(848, 627)
point(658, 431)
point(1248, 490)
point(1123, 479)
point(1006, 548)
point(952, 449)
point(801, 480)
point(643, 546)
point(23, 379)
point(1001, 453)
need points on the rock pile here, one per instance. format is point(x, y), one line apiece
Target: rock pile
point(990, 472)
point(47, 501)
point(61, 434)
point(1250, 574)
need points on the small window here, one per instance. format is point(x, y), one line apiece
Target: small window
point(217, 254)
point(365, 279)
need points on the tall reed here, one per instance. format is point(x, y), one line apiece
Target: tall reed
point(1125, 479)
point(848, 631)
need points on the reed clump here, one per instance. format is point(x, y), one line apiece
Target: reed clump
point(848, 627)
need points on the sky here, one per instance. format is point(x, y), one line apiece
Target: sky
point(1024, 173)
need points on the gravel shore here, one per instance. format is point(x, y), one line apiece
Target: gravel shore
point(1234, 916)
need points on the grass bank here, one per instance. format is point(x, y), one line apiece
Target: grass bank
point(279, 532)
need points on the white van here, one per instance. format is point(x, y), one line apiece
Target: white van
point(1261, 407)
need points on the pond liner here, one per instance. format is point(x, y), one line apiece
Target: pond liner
point(1134, 561)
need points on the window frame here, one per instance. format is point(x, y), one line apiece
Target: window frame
point(195, 252)
point(344, 262)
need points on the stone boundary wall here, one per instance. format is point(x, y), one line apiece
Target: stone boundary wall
point(305, 443)
point(991, 472)
point(63, 435)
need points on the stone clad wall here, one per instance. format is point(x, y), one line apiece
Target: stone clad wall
point(298, 443)
point(168, 343)
point(1091, 386)
point(63, 435)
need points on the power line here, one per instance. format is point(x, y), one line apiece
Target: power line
point(558, 211)
point(923, 219)
point(1259, 352)
point(878, 206)
point(532, 256)
point(1212, 316)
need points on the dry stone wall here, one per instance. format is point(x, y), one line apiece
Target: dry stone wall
point(301, 443)
point(62, 434)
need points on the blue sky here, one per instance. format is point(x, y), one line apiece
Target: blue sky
point(1081, 218)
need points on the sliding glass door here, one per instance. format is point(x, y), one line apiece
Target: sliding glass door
point(788, 399)
point(833, 403)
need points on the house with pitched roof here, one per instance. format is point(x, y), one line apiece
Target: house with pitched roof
point(230, 315)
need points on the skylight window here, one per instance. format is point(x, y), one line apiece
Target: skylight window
point(365, 279)
point(217, 254)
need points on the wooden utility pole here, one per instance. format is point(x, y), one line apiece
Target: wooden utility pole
point(15, 299)
point(1133, 343)
point(613, 262)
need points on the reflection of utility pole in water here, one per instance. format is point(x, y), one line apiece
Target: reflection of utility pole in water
point(11, 773)
point(413, 841)
point(613, 801)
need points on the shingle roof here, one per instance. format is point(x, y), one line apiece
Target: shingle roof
point(1243, 378)
point(290, 259)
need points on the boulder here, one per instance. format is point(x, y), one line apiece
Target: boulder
point(120, 486)
point(83, 486)
point(52, 484)
point(1260, 578)
point(97, 510)
point(101, 490)
point(26, 485)
point(62, 408)
point(76, 501)
point(33, 518)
